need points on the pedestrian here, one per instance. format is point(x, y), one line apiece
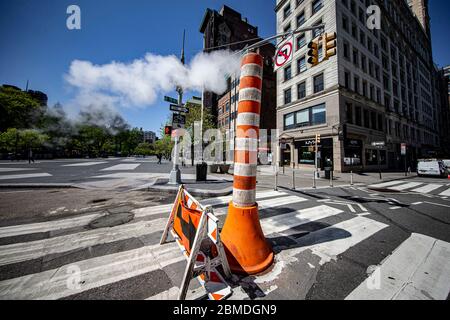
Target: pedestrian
point(30, 156)
point(159, 158)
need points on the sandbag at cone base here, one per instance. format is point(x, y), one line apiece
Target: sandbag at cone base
point(246, 247)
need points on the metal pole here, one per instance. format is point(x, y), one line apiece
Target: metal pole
point(351, 178)
point(331, 178)
point(276, 178)
point(314, 180)
point(406, 170)
point(293, 178)
point(379, 165)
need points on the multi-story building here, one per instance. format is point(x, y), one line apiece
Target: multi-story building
point(378, 88)
point(222, 28)
point(443, 89)
point(149, 137)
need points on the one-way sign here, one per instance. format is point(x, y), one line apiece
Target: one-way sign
point(177, 108)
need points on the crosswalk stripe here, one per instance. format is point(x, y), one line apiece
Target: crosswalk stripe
point(386, 184)
point(334, 240)
point(427, 188)
point(93, 273)
point(296, 218)
point(66, 223)
point(85, 164)
point(24, 251)
point(24, 176)
point(48, 226)
point(446, 193)
point(15, 169)
point(267, 204)
point(406, 186)
point(417, 269)
point(122, 167)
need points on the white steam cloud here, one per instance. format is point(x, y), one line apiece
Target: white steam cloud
point(141, 82)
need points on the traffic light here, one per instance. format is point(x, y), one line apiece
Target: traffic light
point(313, 53)
point(329, 45)
point(318, 139)
point(168, 130)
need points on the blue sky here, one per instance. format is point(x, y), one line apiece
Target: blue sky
point(37, 46)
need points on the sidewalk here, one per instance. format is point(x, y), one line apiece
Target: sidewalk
point(304, 178)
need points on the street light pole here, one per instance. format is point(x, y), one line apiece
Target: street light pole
point(175, 174)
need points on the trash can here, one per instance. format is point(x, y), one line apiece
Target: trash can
point(328, 172)
point(201, 171)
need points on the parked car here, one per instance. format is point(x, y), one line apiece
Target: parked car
point(431, 167)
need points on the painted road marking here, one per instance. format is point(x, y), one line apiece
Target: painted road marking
point(84, 220)
point(25, 176)
point(293, 219)
point(15, 169)
point(446, 193)
point(95, 272)
point(416, 203)
point(123, 167)
point(24, 251)
point(406, 186)
point(394, 208)
point(386, 184)
point(85, 164)
point(417, 270)
point(427, 188)
point(330, 242)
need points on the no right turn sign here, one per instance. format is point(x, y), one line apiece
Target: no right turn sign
point(285, 52)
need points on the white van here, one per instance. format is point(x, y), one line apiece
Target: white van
point(431, 167)
point(446, 164)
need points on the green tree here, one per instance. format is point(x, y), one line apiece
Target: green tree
point(18, 109)
point(144, 149)
point(14, 140)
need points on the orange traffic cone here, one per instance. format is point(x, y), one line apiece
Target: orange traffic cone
point(247, 250)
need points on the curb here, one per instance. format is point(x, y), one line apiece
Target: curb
point(39, 186)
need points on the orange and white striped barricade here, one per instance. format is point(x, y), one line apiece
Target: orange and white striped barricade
point(195, 229)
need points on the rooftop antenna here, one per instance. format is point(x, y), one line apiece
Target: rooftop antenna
point(26, 89)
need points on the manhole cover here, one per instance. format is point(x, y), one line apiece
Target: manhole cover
point(111, 220)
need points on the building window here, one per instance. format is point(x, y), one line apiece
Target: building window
point(373, 120)
point(356, 58)
point(287, 96)
point(307, 117)
point(301, 19)
point(347, 79)
point(349, 112)
point(301, 90)
point(289, 121)
point(227, 107)
point(287, 11)
point(380, 122)
point(316, 6)
point(356, 84)
point(319, 115)
point(367, 119)
point(346, 50)
point(358, 115)
point(287, 73)
point(301, 41)
point(345, 23)
point(317, 32)
point(318, 83)
point(354, 31)
point(301, 65)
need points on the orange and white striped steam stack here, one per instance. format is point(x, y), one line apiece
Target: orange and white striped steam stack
point(247, 249)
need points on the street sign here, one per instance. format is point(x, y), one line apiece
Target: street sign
point(178, 121)
point(171, 100)
point(379, 144)
point(177, 108)
point(403, 149)
point(284, 53)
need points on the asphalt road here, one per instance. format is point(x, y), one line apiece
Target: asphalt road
point(382, 241)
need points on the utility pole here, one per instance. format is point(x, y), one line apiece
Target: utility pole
point(175, 174)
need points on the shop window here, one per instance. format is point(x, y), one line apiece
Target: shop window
point(319, 115)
